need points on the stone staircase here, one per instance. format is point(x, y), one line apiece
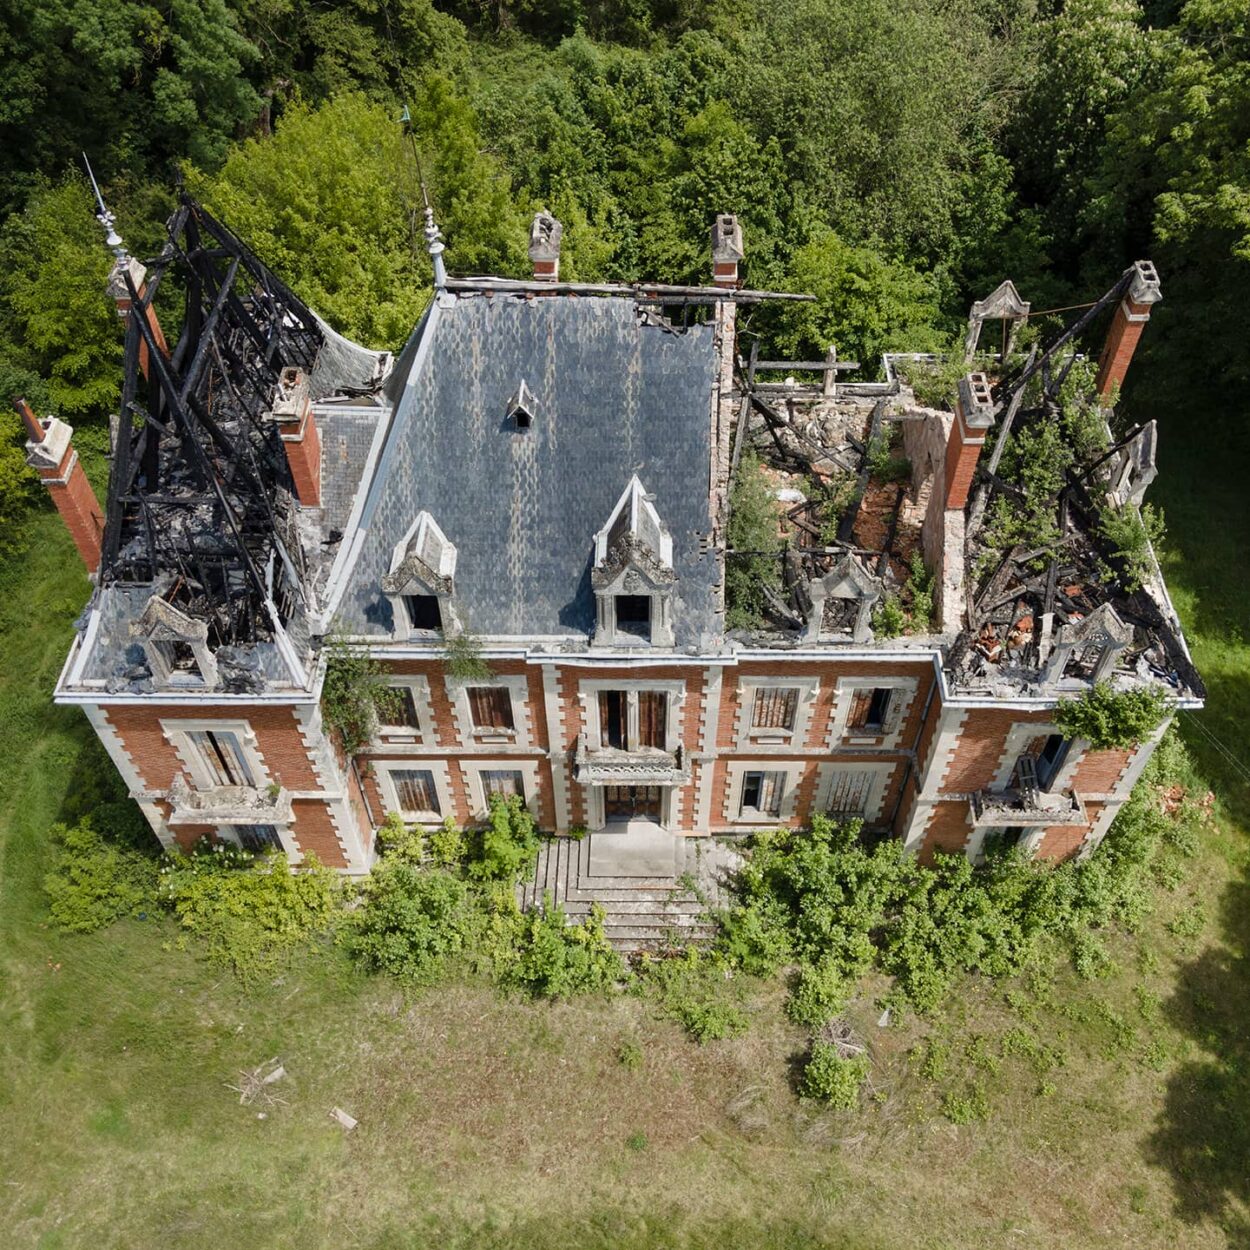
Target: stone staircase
point(647, 898)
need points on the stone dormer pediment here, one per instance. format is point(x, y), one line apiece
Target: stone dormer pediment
point(1102, 627)
point(633, 559)
point(175, 644)
point(842, 601)
point(422, 562)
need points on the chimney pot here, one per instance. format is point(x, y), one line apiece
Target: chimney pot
point(726, 250)
point(544, 249)
point(974, 417)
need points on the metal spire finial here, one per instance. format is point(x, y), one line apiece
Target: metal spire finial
point(434, 245)
point(104, 217)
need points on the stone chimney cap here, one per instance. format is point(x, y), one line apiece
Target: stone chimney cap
point(727, 239)
point(976, 401)
point(545, 232)
point(1145, 288)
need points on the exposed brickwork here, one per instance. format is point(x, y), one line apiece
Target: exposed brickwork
point(981, 744)
point(303, 454)
point(1062, 842)
point(948, 830)
point(963, 450)
point(70, 491)
point(1122, 339)
point(314, 830)
point(1100, 772)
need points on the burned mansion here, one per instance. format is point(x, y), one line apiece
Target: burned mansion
point(545, 479)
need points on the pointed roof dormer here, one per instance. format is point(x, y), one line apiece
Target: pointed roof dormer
point(632, 575)
point(421, 581)
point(176, 646)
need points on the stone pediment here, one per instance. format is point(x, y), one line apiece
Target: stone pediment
point(633, 565)
point(848, 579)
point(1102, 627)
point(423, 560)
point(413, 573)
point(1003, 302)
point(160, 621)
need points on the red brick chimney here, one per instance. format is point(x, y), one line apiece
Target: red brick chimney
point(1126, 326)
point(726, 250)
point(293, 414)
point(49, 451)
point(545, 232)
point(974, 418)
point(120, 295)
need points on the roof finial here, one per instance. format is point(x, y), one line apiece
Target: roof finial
point(104, 217)
point(434, 245)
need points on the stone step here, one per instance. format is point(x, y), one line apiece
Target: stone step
point(620, 934)
point(626, 895)
point(582, 908)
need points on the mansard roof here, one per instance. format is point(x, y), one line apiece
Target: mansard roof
point(619, 395)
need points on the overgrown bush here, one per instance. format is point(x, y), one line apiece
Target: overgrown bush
point(410, 921)
point(355, 694)
point(247, 912)
point(833, 1079)
point(555, 959)
point(506, 845)
point(698, 992)
point(819, 992)
point(1106, 717)
point(753, 531)
point(888, 618)
point(1133, 534)
point(95, 881)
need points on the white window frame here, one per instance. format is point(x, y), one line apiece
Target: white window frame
point(1018, 737)
point(901, 699)
point(521, 735)
point(178, 734)
point(442, 788)
point(589, 689)
point(734, 814)
point(404, 735)
point(230, 834)
point(750, 738)
point(874, 801)
point(473, 770)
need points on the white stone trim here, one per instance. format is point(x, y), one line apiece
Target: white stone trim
point(874, 802)
point(404, 735)
point(712, 684)
point(896, 716)
point(945, 745)
point(794, 771)
point(517, 686)
point(475, 767)
point(557, 757)
point(177, 733)
point(1018, 737)
point(163, 832)
point(588, 690)
point(438, 769)
point(596, 808)
point(750, 739)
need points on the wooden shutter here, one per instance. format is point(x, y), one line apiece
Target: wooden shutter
point(848, 792)
point(223, 757)
point(414, 788)
point(505, 782)
point(491, 707)
point(652, 718)
point(772, 786)
point(775, 708)
point(861, 701)
point(406, 712)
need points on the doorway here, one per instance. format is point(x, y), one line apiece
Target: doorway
point(625, 803)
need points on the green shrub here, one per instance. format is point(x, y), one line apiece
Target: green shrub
point(833, 1079)
point(888, 618)
point(920, 586)
point(94, 881)
point(355, 694)
point(1106, 717)
point(883, 465)
point(820, 992)
point(753, 528)
point(447, 844)
point(506, 845)
point(399, 840)
point(555, 959)
point(970, 1107)
point(1132, 535)
point(246, 911)
point(411, 920)
point(629, 1055)
point(462, 658)
point(754, 937)
point(696, 990)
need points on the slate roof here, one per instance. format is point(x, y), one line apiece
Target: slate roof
point(613, 396)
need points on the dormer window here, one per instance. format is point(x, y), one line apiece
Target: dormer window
point(1089, 648)
point(522, 407)
point(841, 602)
point(633, 574)
point(176, 646)
point(421, 582)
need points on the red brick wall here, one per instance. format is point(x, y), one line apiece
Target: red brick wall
point(1062, 842)
point(314, 831)
point(1099, 772)
point(948, 831)
point(981, 743)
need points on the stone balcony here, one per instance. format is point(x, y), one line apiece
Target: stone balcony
point(647, 766)
point(1026, 808)
point(227, 805)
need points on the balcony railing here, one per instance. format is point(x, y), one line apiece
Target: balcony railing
point(647, 766)
point(1026, 803)
point(227, 805)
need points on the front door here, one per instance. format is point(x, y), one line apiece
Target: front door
point(621, 803)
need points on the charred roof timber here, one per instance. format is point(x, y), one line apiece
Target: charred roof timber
point(200, 494)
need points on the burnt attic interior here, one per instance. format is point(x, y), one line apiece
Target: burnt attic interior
point(856, 516)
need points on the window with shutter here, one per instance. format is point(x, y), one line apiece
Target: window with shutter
point(612, 718)
point(221, 753)
point(652, 718)
point(491, 707)
point(869, 710)
point(403, 712)
point(775, 708)
point(502, 781)
point(848, 793)
point(762, 792)
point(414, 788)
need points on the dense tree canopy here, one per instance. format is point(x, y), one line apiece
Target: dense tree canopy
point(897, 158)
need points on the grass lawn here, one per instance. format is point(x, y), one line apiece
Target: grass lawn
point(1096, 1113)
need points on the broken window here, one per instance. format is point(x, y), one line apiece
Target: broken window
point(258, 838)
point(762, 793)
point(491, 707)
point(414, 790)
point(613, 717)
point(1050, 759)
point(423, 612)
point(633, 616)
point(775, 708)
point(869, 709)
point(180, 661)
point(404, 715)
point(221, 754)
